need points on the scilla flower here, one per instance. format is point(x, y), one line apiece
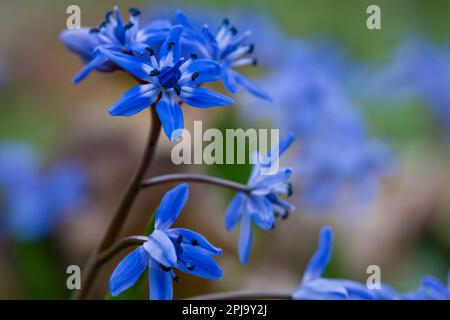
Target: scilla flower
point(315, 287)
point(171, 80)
point(228, 48)
point(262, 204)
point(115, 35)
point(431, 289)
point(165, 249)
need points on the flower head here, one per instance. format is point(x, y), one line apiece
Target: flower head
point(114, 34)
point(262, 203)
point(171, 79)
point(315, 287)
point(227, 47)
point(167, 248)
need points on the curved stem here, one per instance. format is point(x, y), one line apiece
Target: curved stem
point(184, 177)
point(124, 243)
point(92, 267)
point(244, 295)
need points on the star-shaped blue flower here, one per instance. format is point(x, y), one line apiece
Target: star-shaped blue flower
point(315, 287)
point(227, 47)
point(115, 35)
point(262, 204)
point(165, 249)
point(171, 79)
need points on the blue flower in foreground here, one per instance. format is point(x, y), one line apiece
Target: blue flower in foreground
point(315, 287)
point(115, 35)
point(228, 48)
point(167, 248)
point(34, 203)
point(431, 289)
point(171, 80)
point(262, 204)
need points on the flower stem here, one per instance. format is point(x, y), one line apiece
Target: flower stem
point(244, 295)
point(190, 177)
point(124, 243)
point(92, 266)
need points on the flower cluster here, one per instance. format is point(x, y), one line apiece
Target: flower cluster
point(34, 203)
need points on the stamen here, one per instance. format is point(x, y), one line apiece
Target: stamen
point(170, 45)
point(254, 62)
point(289, 189)
point(194, 242)
point(129, 25)
point(175, 278)
point(103, 24)
point(191, 267)
point(134, 11)
point(108, 15)
point(251, 48)
point(285, 215)
point(94, 30)
point(226, 21)
point(150, 51)
point(272, 227)
point(233, 30)
point(195, 75)
point(177, 89)
point(194, 56)
point(154, 72)
point(180, 239)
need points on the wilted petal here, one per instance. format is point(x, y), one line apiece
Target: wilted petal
point(128, 271)
point(170, 206)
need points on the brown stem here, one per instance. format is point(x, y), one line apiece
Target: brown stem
point(244, 295)
point(92, 266)
point(185, 177)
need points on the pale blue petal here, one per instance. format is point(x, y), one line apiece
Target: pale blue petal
point(234, 210)
point(171, 116)
point(261, 211)
point(128, 271)
point(251, 87)
point(320, 289)
point(95, 63)
point(321, 257)
point(80, 41)
point(245, 240)
point(171, 205)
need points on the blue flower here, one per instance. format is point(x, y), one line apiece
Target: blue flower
point(227, 47)
point(171, 80)
point(431, 289)
point(34, 203)
point(165, 249)
point(112, 34)
point(315, 287)
point(262, 203)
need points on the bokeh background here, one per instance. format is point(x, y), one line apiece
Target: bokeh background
point(393, 83)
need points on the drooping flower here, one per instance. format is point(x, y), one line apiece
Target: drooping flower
point(115, 35)
point(261, 205)
point(227, 47)
point(35, 202)
point(171, 79)
point(167, 248)
point(431, 289)
point(314, 287)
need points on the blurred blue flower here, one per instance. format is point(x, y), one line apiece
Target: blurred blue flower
point(115, 35)
point(431, 289)
point(419, 69)
point(34, 203)
point(339, 164)
point(315, 287)
point(167, 248)
point(227, 47)
point(262, 204)
point(172, 79)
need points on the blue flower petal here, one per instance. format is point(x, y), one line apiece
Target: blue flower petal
point(135, 100)
point(245, 240)
point(160, 282)
point(128, 271)
point(160, 248)
point(206, 70)
point(138, 67)
point(190, 237)
point(171, 205)
point(229, 80)
point(263, 184)
point(234, 210)
point(197, 261)
point(203, 98)
point(277, 151)
point(80, 41)
point(171, 116)
point(320, 289)
point(261, 211)
point(321, 257)
point(95, 63)
point(250, 86)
